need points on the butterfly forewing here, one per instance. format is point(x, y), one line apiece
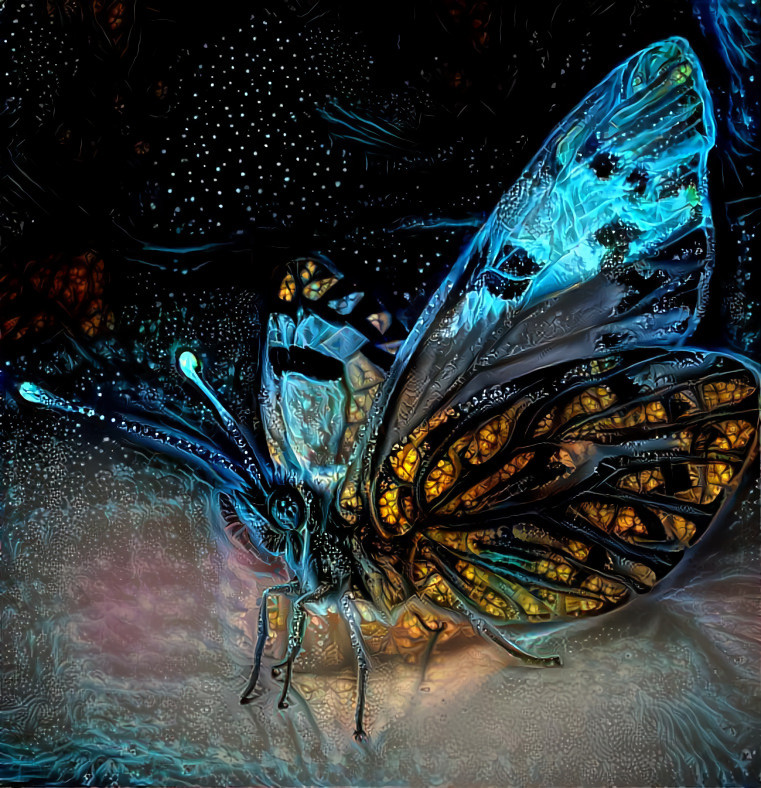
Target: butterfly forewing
point(320, 372)
point(604, 242)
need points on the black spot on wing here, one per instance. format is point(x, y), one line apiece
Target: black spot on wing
point(612, 340)
point(517, 262)
point(306, 361)
point(617, 234)
point(638, 179)
point(604, 164)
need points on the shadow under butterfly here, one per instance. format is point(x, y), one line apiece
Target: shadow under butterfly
point(542, 445)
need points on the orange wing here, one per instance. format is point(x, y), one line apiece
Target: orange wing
point(564, 492)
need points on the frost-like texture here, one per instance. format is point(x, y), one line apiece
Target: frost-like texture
point(127, 634)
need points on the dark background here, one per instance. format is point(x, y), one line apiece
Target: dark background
point(158, 137)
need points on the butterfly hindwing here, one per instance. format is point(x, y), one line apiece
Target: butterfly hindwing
point(327, 347)
point(563, 492)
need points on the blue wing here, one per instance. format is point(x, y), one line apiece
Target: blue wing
point(605, 242)
point(322, 364)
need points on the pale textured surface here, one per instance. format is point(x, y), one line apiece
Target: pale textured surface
point(126, 636)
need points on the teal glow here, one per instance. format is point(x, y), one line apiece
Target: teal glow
point(189, 366)
point(37, 395)
point(188, 363)
point(32, 393)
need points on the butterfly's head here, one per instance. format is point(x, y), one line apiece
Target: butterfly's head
point(275, 526)
point(296, 525)
point(287, 509)
point(289, 512)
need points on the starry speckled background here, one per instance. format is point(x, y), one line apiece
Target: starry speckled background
point(194, 152)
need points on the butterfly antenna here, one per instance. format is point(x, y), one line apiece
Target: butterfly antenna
point(216, 464)
point(254, 462)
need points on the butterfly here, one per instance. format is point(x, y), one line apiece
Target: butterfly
point(543, 445)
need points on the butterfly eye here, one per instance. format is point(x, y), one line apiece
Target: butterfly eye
point(286, 508)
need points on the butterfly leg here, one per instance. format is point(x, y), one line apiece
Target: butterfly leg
point(363, 666)
point(262, 633)
point(296, 636)
point(435, 630)
point(488, 631)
